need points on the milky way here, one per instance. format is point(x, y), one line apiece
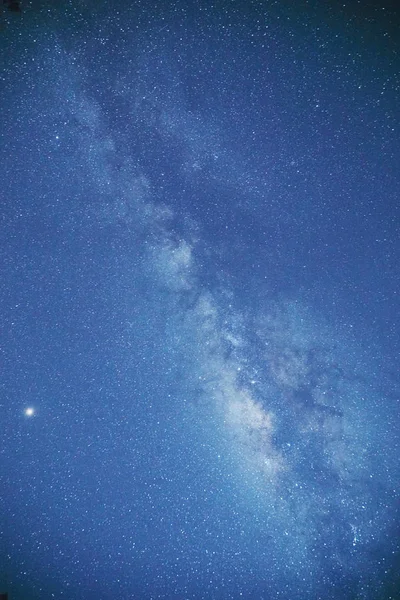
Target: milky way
point(212, 410)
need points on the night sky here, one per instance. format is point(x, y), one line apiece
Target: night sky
point(199, 300)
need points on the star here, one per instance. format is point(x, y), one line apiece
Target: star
point(29, 411)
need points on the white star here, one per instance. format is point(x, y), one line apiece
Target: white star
point(29, 411)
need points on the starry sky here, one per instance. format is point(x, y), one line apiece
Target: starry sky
point(200, 294)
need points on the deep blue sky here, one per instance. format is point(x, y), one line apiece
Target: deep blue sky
point(200, 264)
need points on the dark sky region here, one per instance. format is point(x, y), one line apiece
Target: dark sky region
point(199, 300)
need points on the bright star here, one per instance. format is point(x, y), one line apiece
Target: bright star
point(29, 411)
